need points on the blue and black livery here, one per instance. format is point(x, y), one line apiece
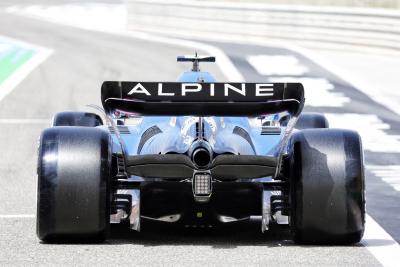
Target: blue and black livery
point(201, 153)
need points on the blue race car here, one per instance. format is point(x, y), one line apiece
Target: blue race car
point(200, 153)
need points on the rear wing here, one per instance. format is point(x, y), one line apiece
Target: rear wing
point(202, 99)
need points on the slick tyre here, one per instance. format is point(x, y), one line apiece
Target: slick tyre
point(327, 199)
point(73, 184)
point(311, 120)
point(69, 118)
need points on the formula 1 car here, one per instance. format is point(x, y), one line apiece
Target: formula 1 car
point(200, 153)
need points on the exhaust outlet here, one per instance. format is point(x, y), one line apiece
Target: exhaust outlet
point(201, 154)
point(201, 157)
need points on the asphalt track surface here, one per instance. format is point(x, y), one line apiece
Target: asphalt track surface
point(70, 79)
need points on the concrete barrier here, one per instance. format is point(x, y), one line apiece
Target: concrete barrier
point(322, 27)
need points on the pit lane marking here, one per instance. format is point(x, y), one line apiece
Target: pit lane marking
point(388, 173)
point(380, 244)
point(356, 82)
point(319, 92)
point(371, 129)
point(269, 65)
point(112, 19)
point(17, 216)
point(25, 121)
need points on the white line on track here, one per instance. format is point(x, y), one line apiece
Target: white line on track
point(362, 85)
point(319, 92)
point(17, 216)
point(371, 129)
point(25, 121)
point(269, 65)
point(388, 173)
point(225, 64)
point(95, 22)
point(380, 243)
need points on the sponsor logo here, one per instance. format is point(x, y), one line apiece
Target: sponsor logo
point(185, 89)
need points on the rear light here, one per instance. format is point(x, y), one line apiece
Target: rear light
point(202, 186)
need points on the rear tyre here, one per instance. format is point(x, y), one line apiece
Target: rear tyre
point(327, 196)
point(73, 184)
point(70, 118)
point(311, 120)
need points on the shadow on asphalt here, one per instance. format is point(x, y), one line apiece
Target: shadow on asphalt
point(223, 237)
point(227, 236)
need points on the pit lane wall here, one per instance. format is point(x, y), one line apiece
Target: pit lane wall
point(339, 28)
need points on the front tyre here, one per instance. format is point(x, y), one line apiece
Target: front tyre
point(327, 197)
point(73, 184)
point(73, 118)
point(311, 120)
